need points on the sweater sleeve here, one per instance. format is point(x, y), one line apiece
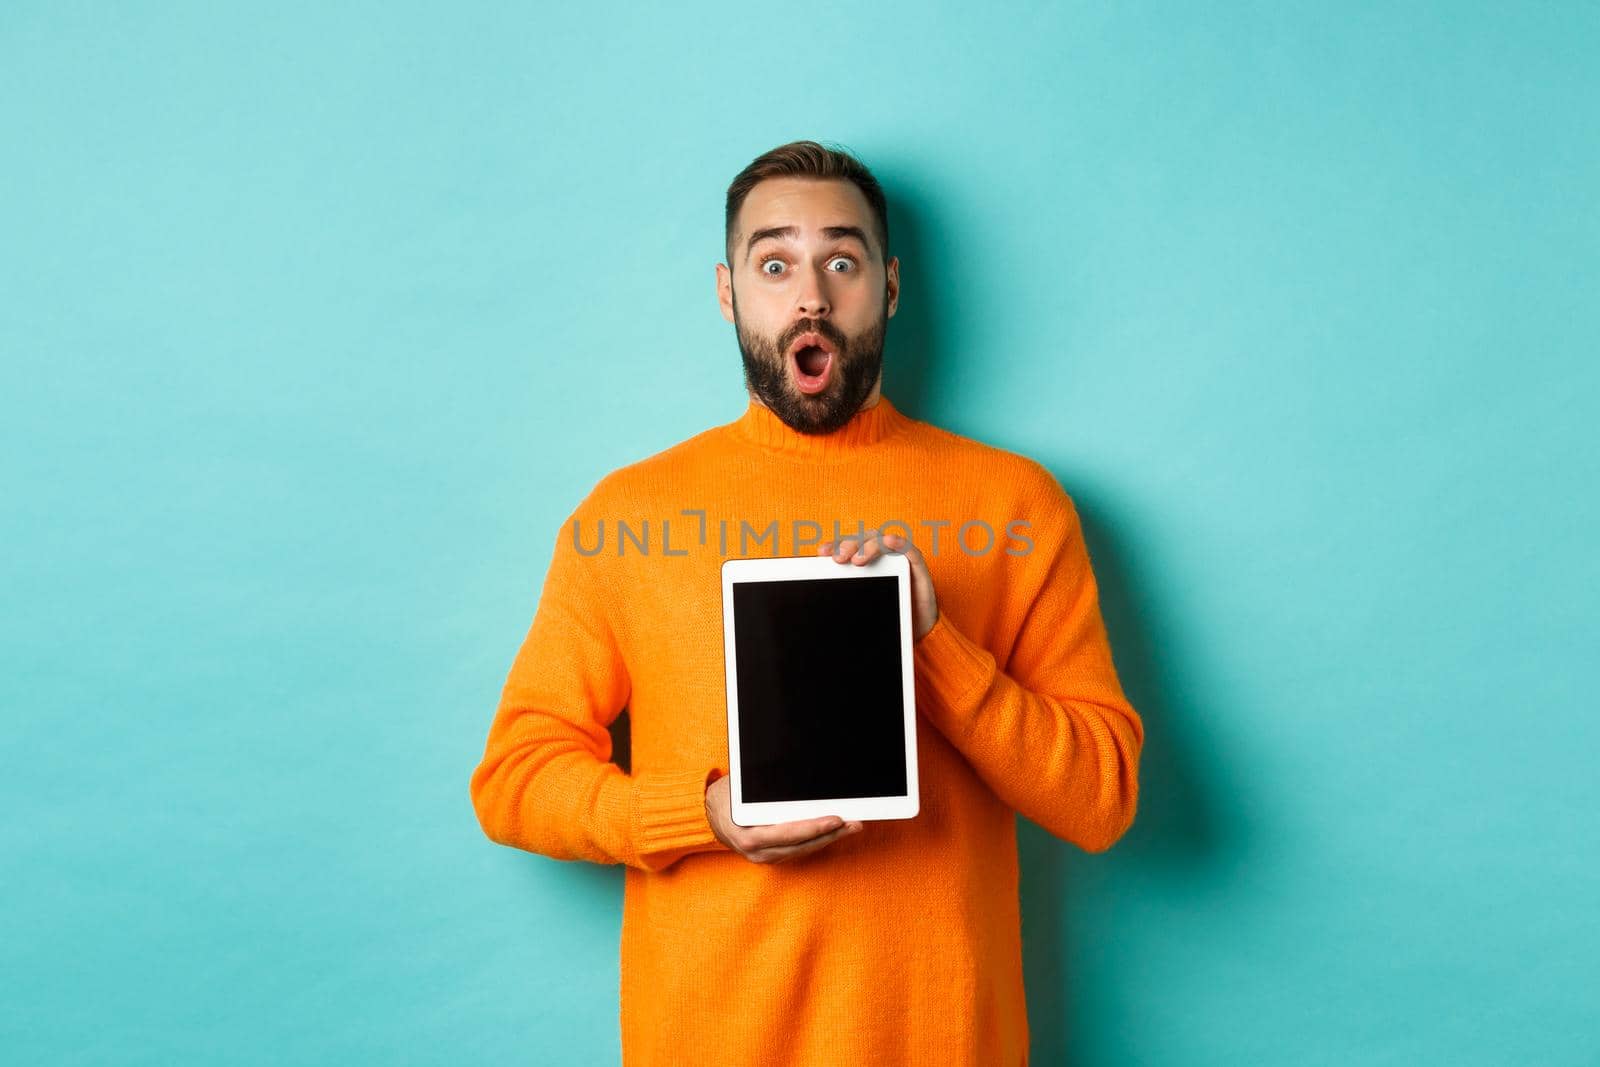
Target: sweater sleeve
point(546, 783)
point(1052, 735)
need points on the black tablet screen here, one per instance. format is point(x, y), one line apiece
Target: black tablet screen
point(821, 700)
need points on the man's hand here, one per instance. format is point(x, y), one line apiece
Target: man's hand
point(861, 551)
point(770, 844)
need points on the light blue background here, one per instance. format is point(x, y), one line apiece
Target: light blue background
point(317, 323)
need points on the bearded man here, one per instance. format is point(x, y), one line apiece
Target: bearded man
point(822, 941)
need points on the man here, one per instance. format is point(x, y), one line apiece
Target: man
point(815, 942)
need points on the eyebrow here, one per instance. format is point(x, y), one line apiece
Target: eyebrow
point(832, 233)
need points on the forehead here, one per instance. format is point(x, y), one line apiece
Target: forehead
point(807, 203)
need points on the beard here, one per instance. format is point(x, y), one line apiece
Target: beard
point(857, 362)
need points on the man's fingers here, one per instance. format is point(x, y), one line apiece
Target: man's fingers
point(903, 545)
point(789, 852)
point(864, 550)
point(788, 833)
point(859, 550)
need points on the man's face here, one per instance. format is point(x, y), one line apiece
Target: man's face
point(810, 297)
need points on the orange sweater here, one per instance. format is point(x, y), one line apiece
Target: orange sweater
point(897, 945)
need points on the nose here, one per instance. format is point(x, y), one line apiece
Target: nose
point(813, 294)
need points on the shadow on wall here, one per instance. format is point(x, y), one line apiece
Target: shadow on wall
point(911, 353)
point(1069, 897)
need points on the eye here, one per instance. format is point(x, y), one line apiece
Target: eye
point(850, 263)
point(769, 262)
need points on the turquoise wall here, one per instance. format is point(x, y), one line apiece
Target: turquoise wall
point(318, 319)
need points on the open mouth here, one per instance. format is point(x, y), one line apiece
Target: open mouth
point(812, 356)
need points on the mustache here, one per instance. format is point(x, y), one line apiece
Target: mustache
point(821, 326)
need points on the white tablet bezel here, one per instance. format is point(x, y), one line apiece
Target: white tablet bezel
point(812, 568)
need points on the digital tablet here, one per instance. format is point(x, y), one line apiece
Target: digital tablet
point(821, 702)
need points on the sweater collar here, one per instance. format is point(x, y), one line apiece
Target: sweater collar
point(760, 426)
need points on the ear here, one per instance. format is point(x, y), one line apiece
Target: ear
point(725, 291)
point(892, 284)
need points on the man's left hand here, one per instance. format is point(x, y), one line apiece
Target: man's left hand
point(861, 551)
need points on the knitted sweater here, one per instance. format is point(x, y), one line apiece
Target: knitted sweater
point(897, 945)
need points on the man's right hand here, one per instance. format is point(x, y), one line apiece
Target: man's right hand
point(770, 844)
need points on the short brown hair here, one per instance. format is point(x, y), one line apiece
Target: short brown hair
point(807, 159)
